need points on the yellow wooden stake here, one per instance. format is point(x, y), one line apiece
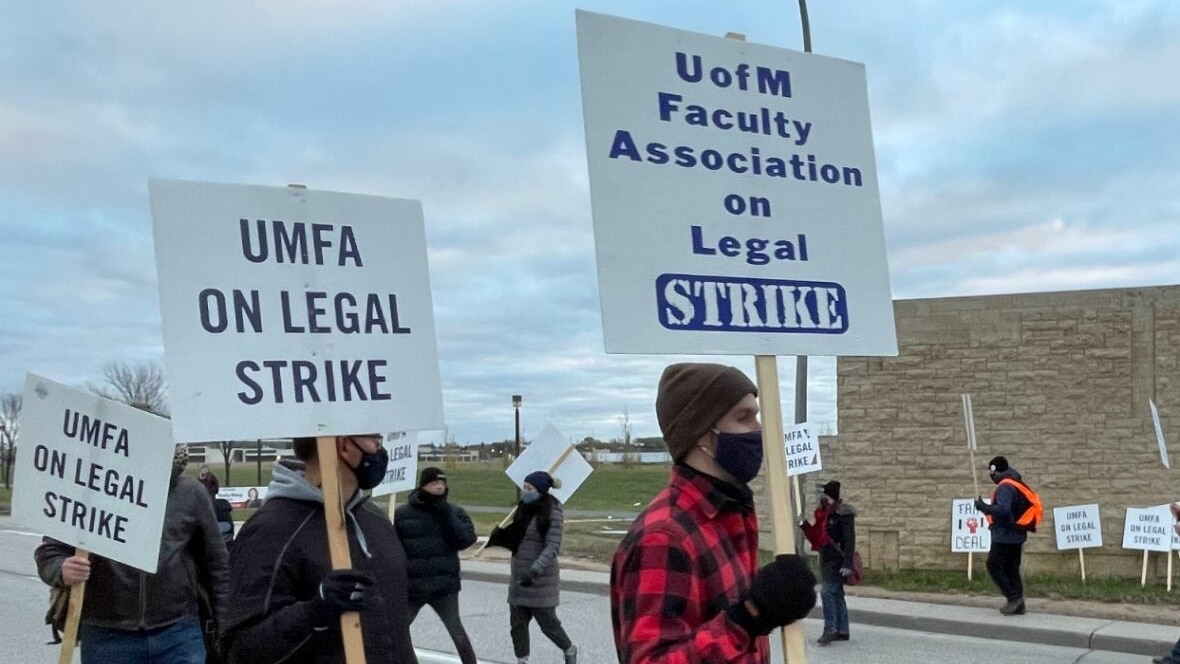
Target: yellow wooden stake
point(350, 622)
point(69, 638)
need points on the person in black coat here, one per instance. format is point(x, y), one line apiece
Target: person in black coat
point(433, 532)
point(837, 544)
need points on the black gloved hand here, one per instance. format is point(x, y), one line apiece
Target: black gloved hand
point(782, 592)
point(342, 590)
point(979, 504)
point(526, 582)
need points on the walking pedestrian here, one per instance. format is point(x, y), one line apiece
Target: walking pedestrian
point(434, 531)
point(1014, 511)
point(836, 522)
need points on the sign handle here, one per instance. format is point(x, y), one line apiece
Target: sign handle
point(350, 622)
point(1082, 563)
point(69, 638)
point(969, 422)
point(776, 479)
point(970, 565)
point(1143, 576)
point(1169, 572)
point(552, 469)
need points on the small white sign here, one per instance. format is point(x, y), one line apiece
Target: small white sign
point(734, 196)
point(292, 312)
point(542, 453)
point(969, 529)
point(402, 472)
point(1148, 529)
point(248, 497)
point(1077, 527)
point(1159, 434)
point(92, 472)
point(802, 450)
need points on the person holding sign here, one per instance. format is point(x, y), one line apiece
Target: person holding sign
point(287, 599)
point(130, 616)
point(1174, 656)
point(434, 532)
point(685, 582)
point(834, 532)
point(1014, 511)
point(535, 587)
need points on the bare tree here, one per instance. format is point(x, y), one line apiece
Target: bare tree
point(141, 385)
point(10, 406)
point(625, 423)
point(227, 449)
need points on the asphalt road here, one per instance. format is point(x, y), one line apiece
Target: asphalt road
point(586, 617)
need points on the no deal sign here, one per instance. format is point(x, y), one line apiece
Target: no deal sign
point(291, 312)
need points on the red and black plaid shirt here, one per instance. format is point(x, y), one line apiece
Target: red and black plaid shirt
point(690, 555)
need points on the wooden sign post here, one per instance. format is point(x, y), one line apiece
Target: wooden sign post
point(69, 638)
point(350, 622)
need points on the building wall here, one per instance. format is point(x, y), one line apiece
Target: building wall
point(1060, 385)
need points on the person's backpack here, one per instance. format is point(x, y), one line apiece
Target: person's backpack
point(1027, 510)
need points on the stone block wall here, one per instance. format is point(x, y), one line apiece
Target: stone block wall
point(1060, 385)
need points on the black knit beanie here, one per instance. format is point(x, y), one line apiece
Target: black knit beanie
point(997, 465)
point(832, 490)
point(430, 474)
point(693, 397)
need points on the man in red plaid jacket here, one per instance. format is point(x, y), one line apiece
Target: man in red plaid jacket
point(685, 583)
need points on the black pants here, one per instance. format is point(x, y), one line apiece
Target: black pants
point(447, 608)
point(1003, 564)
point(519, 617)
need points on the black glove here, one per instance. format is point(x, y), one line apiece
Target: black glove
point(782, 592)
point(527, 581)
point(342, 590)
point(979, 504)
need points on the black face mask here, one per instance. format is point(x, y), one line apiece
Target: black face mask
point(740, 454)
point(371, 469)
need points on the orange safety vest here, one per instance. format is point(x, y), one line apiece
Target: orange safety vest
point(1035, 512)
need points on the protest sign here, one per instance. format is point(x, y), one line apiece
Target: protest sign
point(802, 450)
point(550, 451)
point(734, 196)
point(969, 530)
point(292, 312)
point(1159, 434)
point(92, 472)
point(402, 472)
point(1077, 527)
point(1148, 529)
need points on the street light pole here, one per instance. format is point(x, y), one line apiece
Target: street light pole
point(516, 399)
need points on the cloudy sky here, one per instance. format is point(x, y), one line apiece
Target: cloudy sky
point(1020, 147)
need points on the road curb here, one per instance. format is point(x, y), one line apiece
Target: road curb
point(1083, 633)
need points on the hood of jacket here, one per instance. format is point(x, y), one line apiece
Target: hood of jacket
point(289, 480)
point(1010, 474)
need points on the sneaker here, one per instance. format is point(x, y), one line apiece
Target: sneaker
point(571, 655)
point(1013, 607)
point(842, 636)
point(826, 638)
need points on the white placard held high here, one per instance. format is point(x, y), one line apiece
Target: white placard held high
point(402, 472)
point(542, 453)
point(802, 448)
point(92, 472)
point(1077, 527)
point(734, 195)
point(1159, 434)
point(293, 312)
point(1148, 529)
point(969, 529)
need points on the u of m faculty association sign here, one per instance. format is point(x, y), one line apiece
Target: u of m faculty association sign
point(734, 194)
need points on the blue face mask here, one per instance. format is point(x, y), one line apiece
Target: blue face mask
point(739, 454)
point(529, 497)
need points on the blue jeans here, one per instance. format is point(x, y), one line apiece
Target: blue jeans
point(835, 608)
point(178, 643)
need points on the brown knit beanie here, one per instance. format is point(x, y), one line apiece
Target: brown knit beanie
point(693, 397)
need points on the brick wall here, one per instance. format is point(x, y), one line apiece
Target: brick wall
point(1059, 384)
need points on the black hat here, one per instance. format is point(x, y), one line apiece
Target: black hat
point(541, 481)
point(430, 474)
point(693, 397)
point(832, 490)
point(998, 464)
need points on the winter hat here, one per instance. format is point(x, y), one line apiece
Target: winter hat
point(692, 397)
point(832, 490)
point(179, 460)
point(430, 474)
point(541, 480)
point(998, 464)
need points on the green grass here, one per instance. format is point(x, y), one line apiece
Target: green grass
point(5, 500)
point(1111, 590)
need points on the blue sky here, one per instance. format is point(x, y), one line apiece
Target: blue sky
point(1020, 147)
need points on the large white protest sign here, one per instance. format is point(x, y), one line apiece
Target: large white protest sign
point(969, 530)
point(1077, 527)
point(292, 312)
point(1159, 434)
point(802, 449)
point(1148, 529)
point(402, 472)
point(92, 472)
point(548, 452)
point(734, 195)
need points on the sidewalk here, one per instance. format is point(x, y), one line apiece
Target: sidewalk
point(1048, 629)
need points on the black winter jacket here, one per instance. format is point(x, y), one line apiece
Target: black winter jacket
point(279, 558)
point(433, 533)
point(191, 553)
point(837, 553)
